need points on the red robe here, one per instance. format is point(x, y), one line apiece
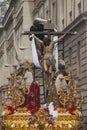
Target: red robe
point(33, 98)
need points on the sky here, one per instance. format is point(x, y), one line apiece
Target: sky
point(1, 0)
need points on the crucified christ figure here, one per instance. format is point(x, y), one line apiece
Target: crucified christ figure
point(48, 60)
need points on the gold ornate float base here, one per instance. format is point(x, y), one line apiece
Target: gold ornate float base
point(41, 120)
point(18, 120)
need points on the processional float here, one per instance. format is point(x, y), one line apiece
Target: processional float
point(23, 111)
point(18, 115)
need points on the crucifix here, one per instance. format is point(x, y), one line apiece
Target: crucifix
point(48, 29)
point(48, 61)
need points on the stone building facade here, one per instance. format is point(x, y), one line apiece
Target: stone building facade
point(16, 19)
point(61, 12)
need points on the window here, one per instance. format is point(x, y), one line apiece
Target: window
point(1, 60)
point(47, 14)
point(70, 16)
point(53, 12)
point(62, 23)
point(78, 58)
point(79, 7)
point(70, 56)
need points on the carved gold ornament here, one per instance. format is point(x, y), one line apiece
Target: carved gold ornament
point(19, 118)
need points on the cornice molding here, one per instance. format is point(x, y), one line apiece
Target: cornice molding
point(82, 17)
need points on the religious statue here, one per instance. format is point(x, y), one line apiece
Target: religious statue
point(32, 100)
point(47, 60)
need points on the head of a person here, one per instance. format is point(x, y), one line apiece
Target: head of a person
point(46, 41)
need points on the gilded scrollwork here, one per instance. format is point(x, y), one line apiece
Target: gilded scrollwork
point(67, 103)
point(17, 89)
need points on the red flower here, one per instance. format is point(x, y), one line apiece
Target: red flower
point(46, 109)
point(71, 109)
point(11, 109)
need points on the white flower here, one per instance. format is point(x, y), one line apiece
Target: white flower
point(52, 112)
